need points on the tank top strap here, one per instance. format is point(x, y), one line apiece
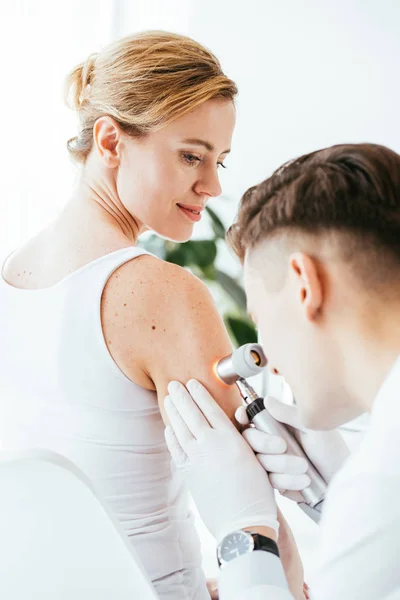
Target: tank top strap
point(101, 269)
point(116, 259)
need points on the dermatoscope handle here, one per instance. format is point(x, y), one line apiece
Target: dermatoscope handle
point(249, 360)
point(314, 494)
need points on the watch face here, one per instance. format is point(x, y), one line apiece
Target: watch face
point(235, 544)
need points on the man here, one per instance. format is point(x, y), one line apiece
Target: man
point(320, 243)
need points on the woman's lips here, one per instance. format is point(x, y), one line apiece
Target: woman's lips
point(192, 214)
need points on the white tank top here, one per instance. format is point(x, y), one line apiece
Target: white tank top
point(60, 389)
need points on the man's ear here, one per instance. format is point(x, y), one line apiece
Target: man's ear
point(106, 137)
point(305, 270)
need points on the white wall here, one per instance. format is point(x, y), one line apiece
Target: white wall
point(311, 73)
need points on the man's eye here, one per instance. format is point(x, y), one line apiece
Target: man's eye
point(191, 159)
point(221, 165)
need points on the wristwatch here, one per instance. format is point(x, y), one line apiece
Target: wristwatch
point(242, 542)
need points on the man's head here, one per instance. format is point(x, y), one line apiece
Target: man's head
point(320, 242)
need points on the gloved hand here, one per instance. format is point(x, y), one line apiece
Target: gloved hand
point(229, 486)
point(326, 449)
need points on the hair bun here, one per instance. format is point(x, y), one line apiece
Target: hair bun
point(77, 88)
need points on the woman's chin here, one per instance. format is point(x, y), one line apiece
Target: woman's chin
point(172, 231)
point(183, 239)
point(177, 236)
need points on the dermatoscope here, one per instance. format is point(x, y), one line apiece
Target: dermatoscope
point(250, 360)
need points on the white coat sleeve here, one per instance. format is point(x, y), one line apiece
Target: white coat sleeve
point(360, 540)
point(255, 576)
point(360, 525)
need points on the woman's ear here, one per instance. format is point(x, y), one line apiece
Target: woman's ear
point(308, 281)
point(106, 136)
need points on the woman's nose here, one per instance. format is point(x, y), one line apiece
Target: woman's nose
point(209, 184)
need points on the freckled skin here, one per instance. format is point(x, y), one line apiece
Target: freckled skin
point(159, 342)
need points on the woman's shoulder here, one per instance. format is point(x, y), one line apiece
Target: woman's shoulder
point(147, 305)
point(149, 274)
point(148, 291)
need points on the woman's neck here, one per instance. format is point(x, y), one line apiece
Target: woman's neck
point(100, 220)
point(96, 205)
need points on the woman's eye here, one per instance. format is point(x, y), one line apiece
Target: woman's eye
point(191, 159)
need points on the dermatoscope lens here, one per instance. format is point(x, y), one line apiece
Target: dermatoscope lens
point(256, 357)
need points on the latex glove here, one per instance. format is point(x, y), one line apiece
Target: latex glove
point(326, 449)
point(229, 486)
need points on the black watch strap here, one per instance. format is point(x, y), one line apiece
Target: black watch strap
point(264, 543)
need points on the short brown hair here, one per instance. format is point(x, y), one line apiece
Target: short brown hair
point(352, 189)
point(144, 82)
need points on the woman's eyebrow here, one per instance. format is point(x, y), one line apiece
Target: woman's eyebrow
point(198, 142)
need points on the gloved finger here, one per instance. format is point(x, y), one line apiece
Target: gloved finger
point(285, 413)
point(283, 463)
point(241, 416)
point(188, 409)
point(181, 430)
point(289, 482)
point(264, 442)
point(208, 406)
point(179, 456)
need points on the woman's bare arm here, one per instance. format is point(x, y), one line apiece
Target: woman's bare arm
point(291, 560)
point(160, 323)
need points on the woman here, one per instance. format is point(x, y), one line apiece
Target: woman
point(99, 326)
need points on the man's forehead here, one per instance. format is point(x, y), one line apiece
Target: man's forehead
point(249, 271)
point(248, 262)
point(265, 266)
point(252, 279)
point(253, 262)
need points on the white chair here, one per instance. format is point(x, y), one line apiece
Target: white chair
point(58, 541)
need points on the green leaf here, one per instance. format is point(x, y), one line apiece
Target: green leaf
point(242, 330)
point(208, 273)
point(232, 288)
point(201, 252)
point(216, 223)
point(177, 254)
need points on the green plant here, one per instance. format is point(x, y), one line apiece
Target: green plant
point(200, 257)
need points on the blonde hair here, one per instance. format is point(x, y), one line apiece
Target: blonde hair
point(144, 82)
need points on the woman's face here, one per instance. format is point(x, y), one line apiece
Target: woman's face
point(165, 179)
